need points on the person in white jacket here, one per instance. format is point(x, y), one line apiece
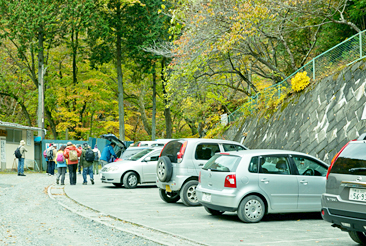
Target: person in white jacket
point(22, 150)
point(96, 160)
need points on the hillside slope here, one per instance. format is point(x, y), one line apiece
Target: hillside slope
point(317, 121)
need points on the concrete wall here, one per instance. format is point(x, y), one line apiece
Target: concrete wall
point(317, 121)
point(8, 160)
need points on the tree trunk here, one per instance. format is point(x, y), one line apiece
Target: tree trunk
point(120, 76)
point(40, 83)
point(167, 114)
point(153, 120)
point(142, 110)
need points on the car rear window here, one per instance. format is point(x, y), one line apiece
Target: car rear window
point(232, 147)
point(222, 163)
point(171, 149)
point(352, 160)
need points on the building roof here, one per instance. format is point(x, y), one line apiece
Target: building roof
point(18, 126)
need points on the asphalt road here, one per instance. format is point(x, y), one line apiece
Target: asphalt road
point(143, 213)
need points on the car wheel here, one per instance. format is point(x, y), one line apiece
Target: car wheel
point(358, 237)
point(169, 197)
point(164, 169)
point(213, 211)
point(251, 209)
point(130, 180)
point(117, 185)
point(188, 193)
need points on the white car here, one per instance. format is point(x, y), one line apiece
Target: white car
point(137, 169)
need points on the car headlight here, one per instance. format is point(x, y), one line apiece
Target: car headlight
point(112, 169)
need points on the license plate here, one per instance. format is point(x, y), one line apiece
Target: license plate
point(357, 194)
point(167, 188)
point(206, 197)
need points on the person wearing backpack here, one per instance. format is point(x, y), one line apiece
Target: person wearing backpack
point(72, 153)
point(47, 161)
point(96, 160)
point(51, 156)
point(86, 162)
point(20, 154)
point(61, 165)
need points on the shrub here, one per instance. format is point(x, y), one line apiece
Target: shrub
point(300, 81)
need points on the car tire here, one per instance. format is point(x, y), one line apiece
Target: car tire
point(130, 180)
point(213, 211)
point(188, 193)
point(164, 169)
point(251, 209)
point(169, 197)
point(117, 185)
point(358, 237)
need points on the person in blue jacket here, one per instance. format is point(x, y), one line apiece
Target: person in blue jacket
point(107, 153)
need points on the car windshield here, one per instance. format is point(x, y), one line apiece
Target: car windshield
point(222, 163)
point(137, 156)
point(130, 152)
point(352, 160)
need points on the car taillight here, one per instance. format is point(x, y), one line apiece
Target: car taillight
point(139, 145)
point(336, 157)
point(230, 181)
point(199, 177)
point(181, 152)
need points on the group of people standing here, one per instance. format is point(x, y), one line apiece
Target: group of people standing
point(70, 156)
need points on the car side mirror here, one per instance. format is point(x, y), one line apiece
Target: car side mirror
point(147, 159)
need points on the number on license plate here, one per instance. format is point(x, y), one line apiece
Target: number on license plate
point(357, 194)
point(206, 197)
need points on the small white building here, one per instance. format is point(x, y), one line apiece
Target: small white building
point(10, 136)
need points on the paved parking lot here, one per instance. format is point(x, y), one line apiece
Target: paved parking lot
point(144, 207)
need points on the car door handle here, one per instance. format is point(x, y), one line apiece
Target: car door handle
point(266, 181)
point(304, 182)
point(200, 165)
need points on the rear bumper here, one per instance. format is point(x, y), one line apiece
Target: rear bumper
point(345, 220)
point(217, 207)
point(220, 200)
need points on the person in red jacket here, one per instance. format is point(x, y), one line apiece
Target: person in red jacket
point(72, 153)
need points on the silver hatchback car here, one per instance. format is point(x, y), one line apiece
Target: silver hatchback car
point(344, 202)
point(257, 182)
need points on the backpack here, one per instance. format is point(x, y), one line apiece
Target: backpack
point(96, 156)
point(17, 153)
point(73, 155)
point(50, 154)
point(45, 153)
point(60, 158)
point(89, 155)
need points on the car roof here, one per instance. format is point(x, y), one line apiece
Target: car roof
point(256, 152)
point(208, 140)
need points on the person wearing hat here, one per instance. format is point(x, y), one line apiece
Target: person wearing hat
point(22, 150)
point(72, 153)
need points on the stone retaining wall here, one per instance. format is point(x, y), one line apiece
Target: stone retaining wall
point(317, 121)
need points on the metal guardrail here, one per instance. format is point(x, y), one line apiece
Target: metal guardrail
point(349, 51)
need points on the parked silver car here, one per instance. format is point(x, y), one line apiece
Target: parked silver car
point(257, 182)
point(139, 168)
point(344, 202)
point(179, 165)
